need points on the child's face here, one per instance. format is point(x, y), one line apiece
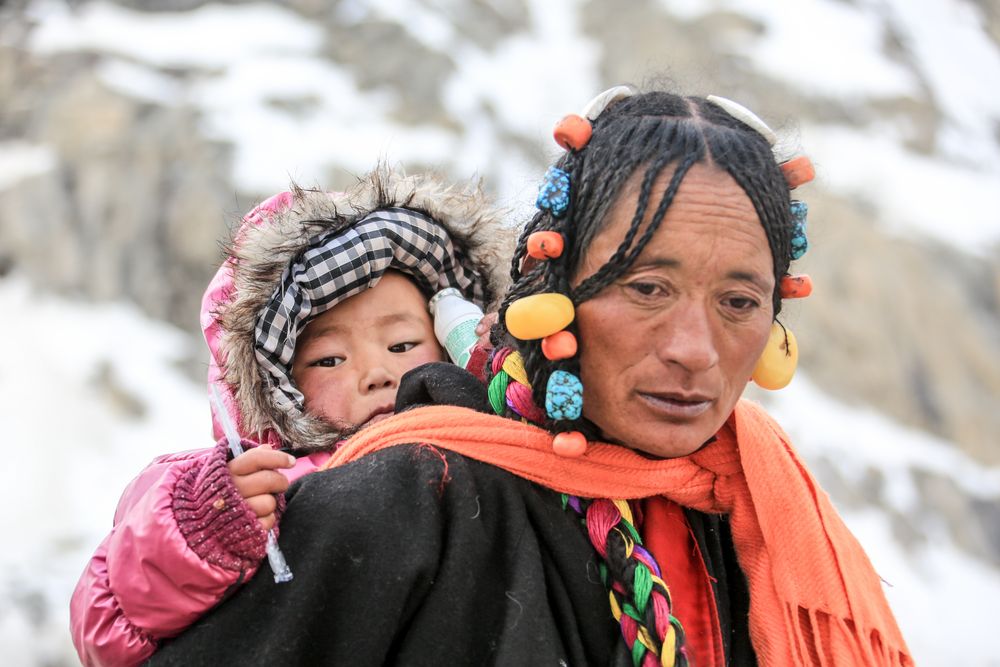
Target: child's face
point(348, 361)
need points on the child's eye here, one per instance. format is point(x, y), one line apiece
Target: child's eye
point(328, 362)
point(399, 348)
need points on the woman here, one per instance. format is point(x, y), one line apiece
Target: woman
point(634, 510)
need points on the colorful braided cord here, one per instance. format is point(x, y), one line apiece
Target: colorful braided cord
point(509, 388)
point(641, 605)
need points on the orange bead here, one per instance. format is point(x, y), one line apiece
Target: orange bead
point(545, 245)
point(798, 171)
point(571, 444)
point(796, 287)
point(573, 132)
point(560, 345)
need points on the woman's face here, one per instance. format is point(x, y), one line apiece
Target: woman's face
point(667, 349)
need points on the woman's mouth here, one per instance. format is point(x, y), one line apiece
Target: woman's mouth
point(677, 406)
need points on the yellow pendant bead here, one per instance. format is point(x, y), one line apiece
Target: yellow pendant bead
point(777, 363)
point(539, 315)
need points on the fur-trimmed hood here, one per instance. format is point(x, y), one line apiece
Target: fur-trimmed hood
point(276, 232)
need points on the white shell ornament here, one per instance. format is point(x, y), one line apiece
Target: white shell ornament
point(741, 113)
point(602, 100)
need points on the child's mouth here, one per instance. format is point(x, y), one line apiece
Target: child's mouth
point(379, 415)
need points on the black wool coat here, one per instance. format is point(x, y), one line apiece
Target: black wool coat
point(419, 556)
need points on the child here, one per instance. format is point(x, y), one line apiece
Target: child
point(317, 311)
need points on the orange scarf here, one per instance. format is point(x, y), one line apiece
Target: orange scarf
point(814, 597)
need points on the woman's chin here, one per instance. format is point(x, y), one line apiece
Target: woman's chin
point(667, 440)
point(669, 450)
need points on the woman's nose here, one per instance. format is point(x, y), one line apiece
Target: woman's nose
point(686, 338)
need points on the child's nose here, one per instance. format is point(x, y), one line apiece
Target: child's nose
point(377, 377)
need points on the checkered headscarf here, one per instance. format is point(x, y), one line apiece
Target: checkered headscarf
point(345, 262)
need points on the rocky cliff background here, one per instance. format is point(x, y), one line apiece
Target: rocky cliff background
point(134, 134)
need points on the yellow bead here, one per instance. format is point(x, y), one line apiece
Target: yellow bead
point(539, 315)
point(777, 363)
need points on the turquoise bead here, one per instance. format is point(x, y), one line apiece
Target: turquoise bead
point(800, 243)
point(563, 396)
point(553, 196)
point(800, 210)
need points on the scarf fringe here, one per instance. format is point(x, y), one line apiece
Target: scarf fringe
point(829, 641)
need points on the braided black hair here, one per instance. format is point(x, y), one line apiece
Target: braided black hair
point(652, 131)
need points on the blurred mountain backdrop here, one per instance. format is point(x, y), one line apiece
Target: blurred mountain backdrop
point(134, 134)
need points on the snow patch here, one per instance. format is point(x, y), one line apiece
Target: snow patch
point(66, 394)
point(859, 438)
point(20, 160)
point(955, 203)
point(140, 82)
point(209, 37)
point(823, 47)
point(961, 66)
point(935, 592)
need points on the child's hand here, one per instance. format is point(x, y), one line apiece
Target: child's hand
point(256, 477)
point(483, 329)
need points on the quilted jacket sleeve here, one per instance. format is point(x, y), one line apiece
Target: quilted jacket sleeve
point(182, 537)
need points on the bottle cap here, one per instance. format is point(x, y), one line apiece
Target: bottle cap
point(447, 291)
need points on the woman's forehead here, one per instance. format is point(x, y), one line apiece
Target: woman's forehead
point(708, 209)
point(705, 189)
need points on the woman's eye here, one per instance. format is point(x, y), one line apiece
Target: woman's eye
point(328, 362)
point(399, 348)
point(645, 289)
point(742, 303)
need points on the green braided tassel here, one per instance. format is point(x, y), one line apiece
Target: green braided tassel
point(642, 585)
point(498, 392)
point(638, 651)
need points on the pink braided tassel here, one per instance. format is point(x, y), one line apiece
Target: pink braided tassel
point(498, 359)
point(630, 629)
point(661, 610)
point(519, 400)
point(602, 516)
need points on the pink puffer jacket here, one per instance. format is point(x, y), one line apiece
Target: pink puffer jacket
point(145, 582)
point(182, 536)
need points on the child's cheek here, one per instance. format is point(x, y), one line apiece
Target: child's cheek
point(331, 403)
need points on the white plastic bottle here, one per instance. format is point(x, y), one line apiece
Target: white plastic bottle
point(455, 320)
